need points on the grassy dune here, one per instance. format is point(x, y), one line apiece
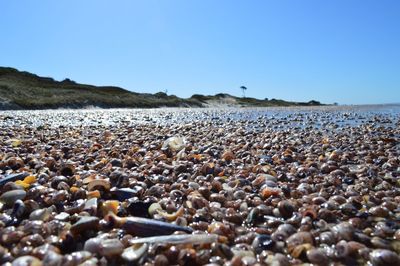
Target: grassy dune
point(23, 90)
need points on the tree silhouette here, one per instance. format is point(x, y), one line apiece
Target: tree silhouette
point(243, 88)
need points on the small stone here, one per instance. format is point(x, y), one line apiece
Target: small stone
point(10, 197)
point(62, 216)
point(262, 242)
point(111, 247)
point(85, 223)
point(26, 261)
point(228, 156)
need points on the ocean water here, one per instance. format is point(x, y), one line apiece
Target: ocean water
point(328, 117)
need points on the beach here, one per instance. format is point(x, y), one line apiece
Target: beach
point(196, 186)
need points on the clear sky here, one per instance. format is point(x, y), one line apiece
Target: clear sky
point(332, 51)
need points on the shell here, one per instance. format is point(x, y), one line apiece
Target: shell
point(381, 257)
point(133, 254)
point(85, 223)
point(99, 183)
point(143, 226)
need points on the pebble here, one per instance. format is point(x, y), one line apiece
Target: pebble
point(85, 223)
point(10, 197)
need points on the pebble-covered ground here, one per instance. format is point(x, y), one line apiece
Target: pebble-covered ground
point(268, 186)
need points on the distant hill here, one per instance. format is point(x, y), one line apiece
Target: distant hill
point(24, 90)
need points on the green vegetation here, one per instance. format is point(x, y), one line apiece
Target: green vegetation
point(23, 90)
point(248, 101)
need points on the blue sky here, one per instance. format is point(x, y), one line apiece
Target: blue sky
point(333, 51)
